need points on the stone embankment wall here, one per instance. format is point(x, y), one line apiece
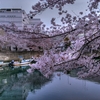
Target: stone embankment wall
point(7, 56)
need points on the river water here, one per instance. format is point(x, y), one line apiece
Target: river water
point(65, 87)
point(60, 87)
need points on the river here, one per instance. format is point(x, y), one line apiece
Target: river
point(65, 87)
point(19, 85)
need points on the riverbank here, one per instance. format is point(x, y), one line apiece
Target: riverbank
point(8, 56)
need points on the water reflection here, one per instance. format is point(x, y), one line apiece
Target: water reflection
point(22, 86)
point(16, 86)
point(64, 87)
point(4, 81)
point(11, 88)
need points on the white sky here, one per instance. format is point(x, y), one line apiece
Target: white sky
point(80, 5)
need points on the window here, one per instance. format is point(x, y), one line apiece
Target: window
point(2, 16)
point(8, 9)
point(31, 17)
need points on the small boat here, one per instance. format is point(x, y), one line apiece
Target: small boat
point(21, 64)
point(25, 60)
point(3, 64)
point(28, 61)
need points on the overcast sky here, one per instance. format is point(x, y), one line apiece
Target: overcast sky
point(80, 5)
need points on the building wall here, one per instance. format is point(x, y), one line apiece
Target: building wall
point(18, 17)
point(8, 16)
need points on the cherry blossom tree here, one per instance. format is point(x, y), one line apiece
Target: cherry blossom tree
point(85, 53)
point(83, 33)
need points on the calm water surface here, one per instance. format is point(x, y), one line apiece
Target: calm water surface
point(65, 87)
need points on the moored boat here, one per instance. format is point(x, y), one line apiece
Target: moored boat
point(20, 64)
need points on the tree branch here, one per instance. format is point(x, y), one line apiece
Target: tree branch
point(80, 53)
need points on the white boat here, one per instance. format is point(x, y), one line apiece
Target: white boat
point(21, 64)
point(3, 64)
point(26, 60)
